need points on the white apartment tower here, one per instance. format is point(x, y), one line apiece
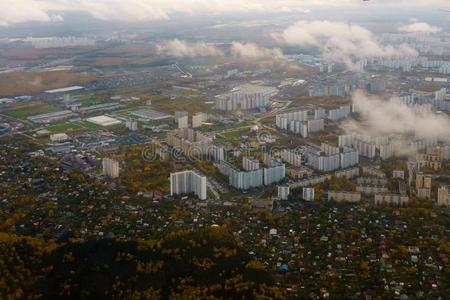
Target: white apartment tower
point(443, 196)
point(308, 194)
point(110, 168)
point(186, 182)
point(283, 192)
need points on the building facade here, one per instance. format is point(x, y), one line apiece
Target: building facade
point(187, 182)
point(110, 168)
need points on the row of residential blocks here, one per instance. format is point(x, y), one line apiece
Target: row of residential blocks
point(252, 175)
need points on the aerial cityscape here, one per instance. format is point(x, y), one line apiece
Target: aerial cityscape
point(225, 149)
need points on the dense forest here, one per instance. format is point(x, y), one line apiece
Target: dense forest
point(202, 265)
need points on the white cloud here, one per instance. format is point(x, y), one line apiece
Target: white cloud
point(179, 48)
point(17, 11)
point(382, 117)
point(56, 18)
point(253, 51)
point(340, 41)
point(237, 50)
point(420, 27)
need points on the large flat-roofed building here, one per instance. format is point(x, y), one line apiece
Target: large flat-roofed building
point(52, 117)
point(104, 121)
point(262, 205)
point(59, 137)
point(97, 108)
point(246, 97)
point(187, 182)
point(371, 190)
point(110, 168)
point(65, 89)
point(352, 197)
point(299, 172)
point(191, 142)
point(150, 115)
point(391, 199)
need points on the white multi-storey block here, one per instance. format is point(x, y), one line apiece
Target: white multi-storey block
point(339, 113)
point(187, 182)
point(349, 157)
point(443, 196)
point(274, 173)
point(308, 194)
point(183, 122)
point(319, 113)
point(283, 192)
point(316, 125)
point(250, 163)
point(328, 149)
point(110, 167)
point(198, 119)
point(386, 151)
point(346, 140)
point(291, 157)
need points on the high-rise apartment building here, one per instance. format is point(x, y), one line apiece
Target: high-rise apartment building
point(274, 173)
point(187, 182)
point(443, 196)
point(308, 194)
point(283, 192)
point(110, 167)
point(250, 163)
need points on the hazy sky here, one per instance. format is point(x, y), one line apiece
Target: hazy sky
point(19, 11)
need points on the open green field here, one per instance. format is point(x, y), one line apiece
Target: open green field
point(91, 126)
point(233, 135)
point(83, 125)
point(25, 111)
point(90, 99)
point(188, 101)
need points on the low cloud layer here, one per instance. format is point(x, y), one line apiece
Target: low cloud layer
point(180, 48)
point(382, 117)
point(252, 51)
point(340, 41)
point(243, 52)
point(420, 27)
point(18, 11)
